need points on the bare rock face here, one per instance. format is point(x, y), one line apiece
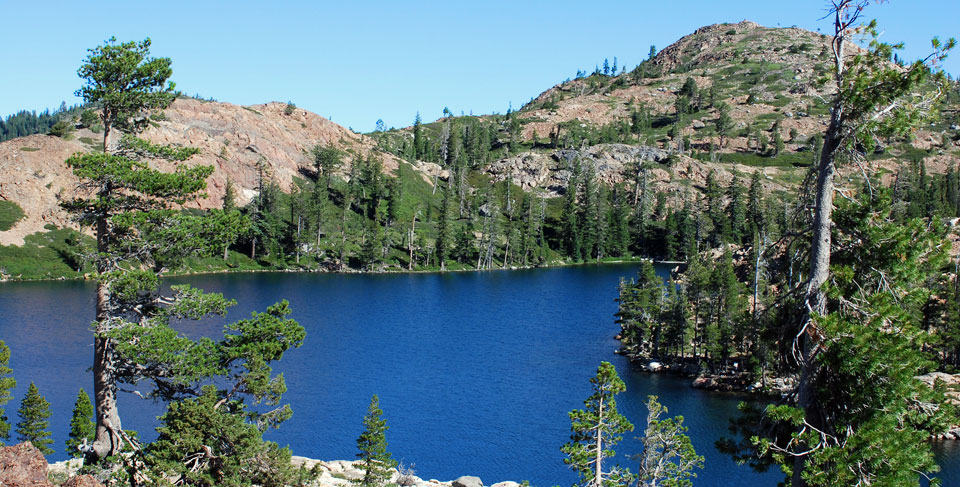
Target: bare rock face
point(231, 138)
point(23, 465)
point(532, 170)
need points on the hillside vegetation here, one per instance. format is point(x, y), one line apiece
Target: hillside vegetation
point(647, 150)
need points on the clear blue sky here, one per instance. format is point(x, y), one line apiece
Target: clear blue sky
point(356, 62)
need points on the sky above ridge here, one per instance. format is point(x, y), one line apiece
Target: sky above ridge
point(356, 62)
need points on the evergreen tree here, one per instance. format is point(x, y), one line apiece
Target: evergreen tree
point(755, 218)
point(34, 413)
point(419, 152)
point(82, 428)
point(375, 460)
point(371, 252)
point(570, 230)
point(868, 430)
point(229, 197)
point(596, 429)
point(736, 211)
point(619, 230)
point(131, 208)
point(443, 228)
point(587, 216)
point(668, 456)
point(868, 101)
point(724, 124)
point(326, 160)
point(639, 310)
point(716, 211)
point(464, 251)
point(6, 385)
point(204, 441)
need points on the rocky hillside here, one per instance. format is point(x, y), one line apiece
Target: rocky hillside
point(766, 77)
point(232, 139)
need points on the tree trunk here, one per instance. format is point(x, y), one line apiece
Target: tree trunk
point(598, 478)
point(816, 300)
point(413, 233)
point(299, 224)
point(107, 440)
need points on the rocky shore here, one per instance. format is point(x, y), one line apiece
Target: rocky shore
point(731, 379)
point(23, 465)
point(725, 379)
point(340, 473)
point(952, 383)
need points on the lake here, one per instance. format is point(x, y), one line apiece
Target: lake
point(476, 372)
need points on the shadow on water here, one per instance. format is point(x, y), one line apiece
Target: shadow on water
point(475, 371)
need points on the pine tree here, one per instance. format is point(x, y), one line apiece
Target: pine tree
point(205, 442)
point(570, 229)
point(724, 124)
point(619, 231)
point(418, 139)
point(82, 428)
point(229, 197)
point(755, 218)
point(668, 456)
point(587, 216)
point(715, 210)
point(444, 236)
point(872, 97)
point(638, 313)
point(597, 429)
point(34, 413)
point(374, 459)
point(6, 385)
point(736, 211)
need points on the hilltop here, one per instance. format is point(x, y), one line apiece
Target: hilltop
point(767, 78)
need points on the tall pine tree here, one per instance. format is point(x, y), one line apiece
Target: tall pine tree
point(6, 385)
point(34, 421)
point(375, 461)
point(596, 429)
point(82, 428)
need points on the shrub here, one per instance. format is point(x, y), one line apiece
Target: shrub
point(89, 118)
point(10, 214)
point(60, 129)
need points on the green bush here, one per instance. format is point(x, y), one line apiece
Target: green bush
point(61, 128)
point(89, 118)
point(56, 253)
point(10, 214)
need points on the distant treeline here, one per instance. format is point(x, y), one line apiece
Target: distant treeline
point(25, 122)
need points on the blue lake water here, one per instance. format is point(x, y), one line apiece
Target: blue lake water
point(475, 371)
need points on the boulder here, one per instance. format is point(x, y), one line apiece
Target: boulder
point(468, 481)
point(23, 465)
point(506, 484)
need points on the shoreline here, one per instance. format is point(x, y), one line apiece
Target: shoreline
point(326, 473)
point(555, 264)
point(777, 387)
point(725, 381)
